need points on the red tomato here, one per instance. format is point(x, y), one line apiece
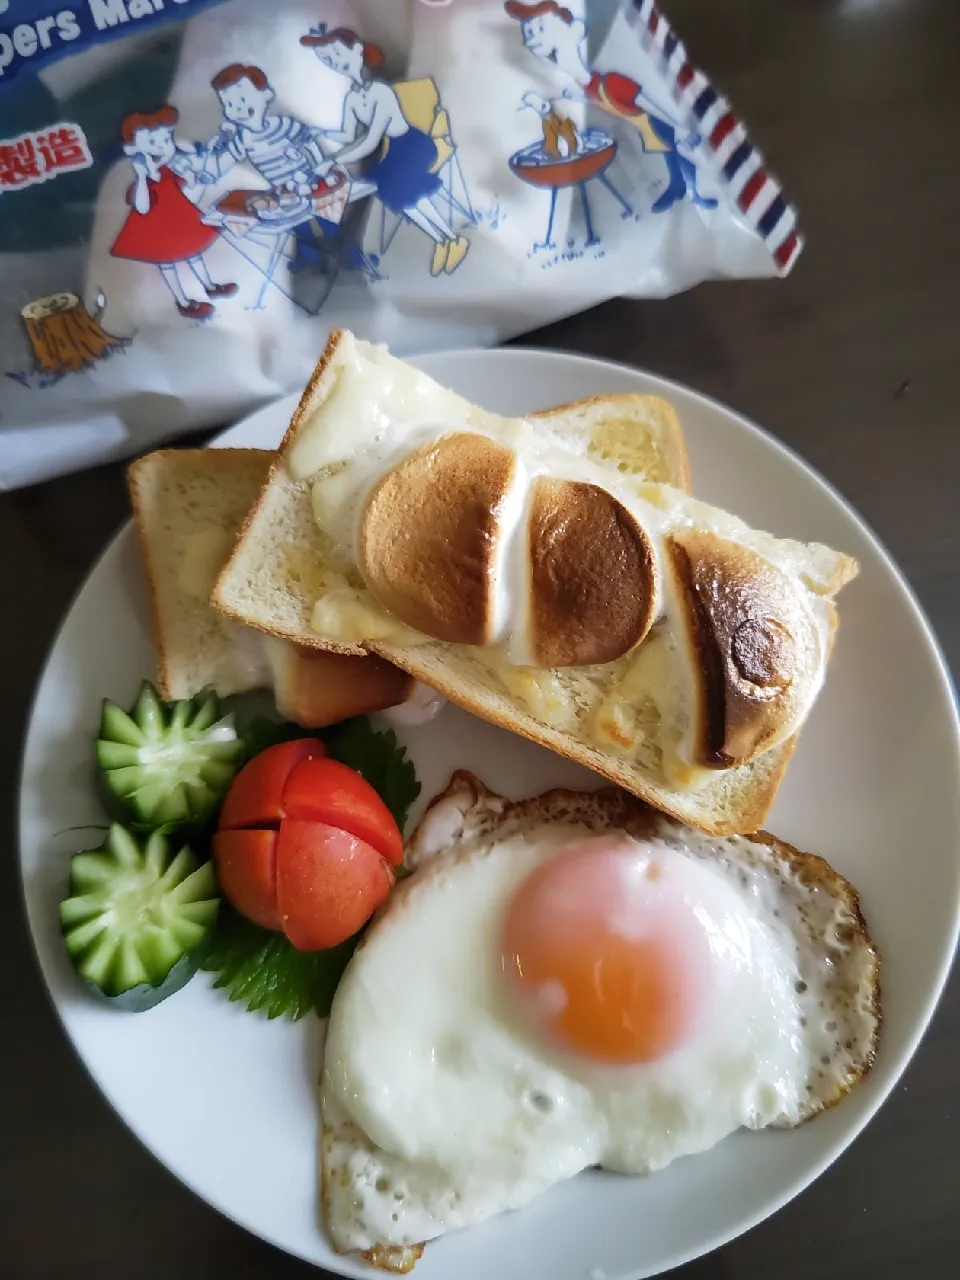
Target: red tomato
point(329, 883)
point(328, 791)
point(255, 798)
point(247, 872)
point(305, 845)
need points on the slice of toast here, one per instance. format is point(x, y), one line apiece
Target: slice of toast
point(465, 822)
point(282, 570)
point(282, 565)
point(189, 505)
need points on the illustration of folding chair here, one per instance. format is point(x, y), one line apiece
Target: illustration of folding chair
point(420, 102)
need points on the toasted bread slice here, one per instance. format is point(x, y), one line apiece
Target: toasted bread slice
point(466, 823)
point(189, 505)
point(283, 564)
point(639, 434)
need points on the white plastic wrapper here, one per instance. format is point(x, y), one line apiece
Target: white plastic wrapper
point(195, 194)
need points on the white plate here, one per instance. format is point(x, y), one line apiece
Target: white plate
point(227, 1101)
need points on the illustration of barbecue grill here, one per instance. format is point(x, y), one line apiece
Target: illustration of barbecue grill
point(588, 164)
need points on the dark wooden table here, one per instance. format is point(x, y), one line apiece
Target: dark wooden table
point(855, 362)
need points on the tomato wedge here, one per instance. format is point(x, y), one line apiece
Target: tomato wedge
point(305, 845)
point(247, 872)
point(329, 883)
point(325, 790)
point(255, 798)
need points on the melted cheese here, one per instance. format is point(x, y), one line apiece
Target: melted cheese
point(373, 395)
point(205, 552)
point(652, 700)
point(538, 689)
point(352, 615)
point(617, 723)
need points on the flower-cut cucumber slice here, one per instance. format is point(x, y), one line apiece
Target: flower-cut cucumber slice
point(167, 764)
point(139, 917)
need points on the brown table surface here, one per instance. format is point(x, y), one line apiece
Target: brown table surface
point(854, 362)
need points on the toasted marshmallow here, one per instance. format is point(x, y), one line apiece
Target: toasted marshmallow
point(459, 541)
point(430, 535)
point(756, 651)
point(593, 577)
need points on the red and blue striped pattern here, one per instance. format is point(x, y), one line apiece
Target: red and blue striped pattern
point(737, 160)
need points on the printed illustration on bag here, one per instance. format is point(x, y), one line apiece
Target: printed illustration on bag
point(415, 175)
point(300, 217)
point(567, 157)
point(393, 157)
point(64, 337)
point(164, 226)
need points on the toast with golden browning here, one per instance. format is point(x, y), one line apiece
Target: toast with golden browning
point(189, 505)
point(549, 574)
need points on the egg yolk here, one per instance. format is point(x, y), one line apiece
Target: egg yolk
point(605, 957)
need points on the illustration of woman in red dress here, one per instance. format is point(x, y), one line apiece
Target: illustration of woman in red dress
point(164, 225)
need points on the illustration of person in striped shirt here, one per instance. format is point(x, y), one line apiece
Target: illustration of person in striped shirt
point(283, 150)
point(555, 37)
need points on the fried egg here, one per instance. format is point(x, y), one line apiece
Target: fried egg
point(576, 981)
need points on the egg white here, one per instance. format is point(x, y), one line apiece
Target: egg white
point(443, 1105)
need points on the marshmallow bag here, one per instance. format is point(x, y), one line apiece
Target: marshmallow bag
point(194, 193)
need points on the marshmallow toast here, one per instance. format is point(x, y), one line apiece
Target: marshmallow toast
point(549, 574)
point(189, 505)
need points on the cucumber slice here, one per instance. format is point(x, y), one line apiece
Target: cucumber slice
point(139, 917)
point(167, 763)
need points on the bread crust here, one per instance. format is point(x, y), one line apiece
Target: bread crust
point(313, 393)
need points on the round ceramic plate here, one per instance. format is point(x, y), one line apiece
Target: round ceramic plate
point(872, 787)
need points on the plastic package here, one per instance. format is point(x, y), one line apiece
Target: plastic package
point(195, 193)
